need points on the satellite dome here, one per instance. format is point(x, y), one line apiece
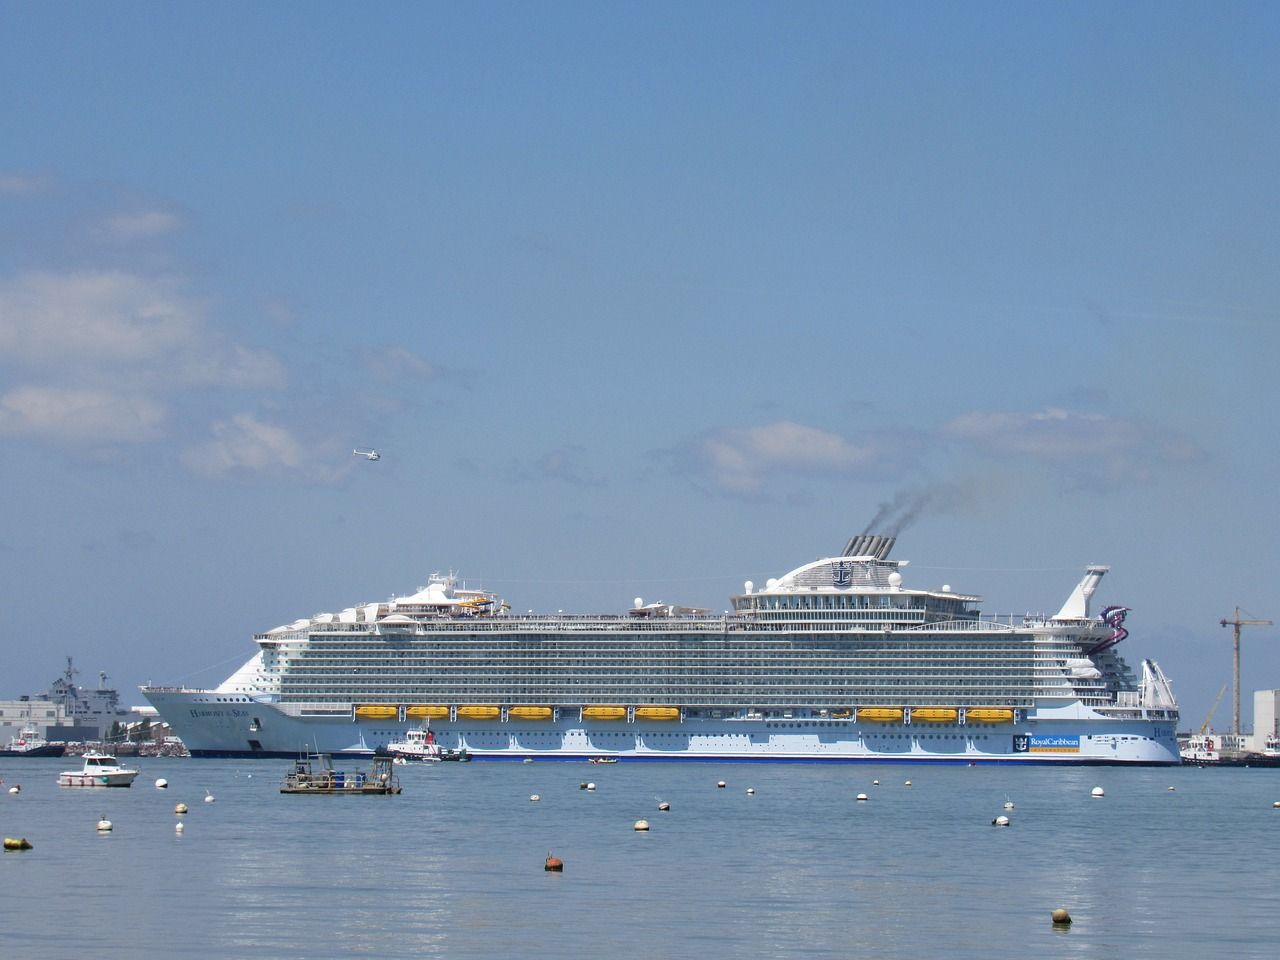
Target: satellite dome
point(748, 587)
point(895, 580)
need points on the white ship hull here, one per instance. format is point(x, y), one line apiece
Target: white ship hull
point(838, 660)
point(219, 726)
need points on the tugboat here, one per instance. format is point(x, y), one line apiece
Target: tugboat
point(418, 745)
point(29, 743)
point(315, 774)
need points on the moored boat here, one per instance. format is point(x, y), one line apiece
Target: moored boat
point(29, 743)
point(315, 774)
point(99, 770)
point(1216, 750)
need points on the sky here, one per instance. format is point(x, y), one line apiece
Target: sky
point(635, 300)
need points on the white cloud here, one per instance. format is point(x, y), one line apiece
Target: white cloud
point(739, 460)
point(396, 362)
point(1088, 444)
point(139, 225)
point(16, 183)
point(569, 465)
point(68, 414)
point(88, 324)
point(245, 444)
point(100, 356)
point(99, 317)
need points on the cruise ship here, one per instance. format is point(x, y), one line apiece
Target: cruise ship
point(839, 660)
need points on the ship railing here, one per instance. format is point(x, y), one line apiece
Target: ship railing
point(154, 689)
point(958, 626)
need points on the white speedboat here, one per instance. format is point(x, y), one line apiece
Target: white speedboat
point(100, 770)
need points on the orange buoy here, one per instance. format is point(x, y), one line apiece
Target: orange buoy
point(554, 864)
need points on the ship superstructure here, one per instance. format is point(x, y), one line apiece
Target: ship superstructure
point(837, 660)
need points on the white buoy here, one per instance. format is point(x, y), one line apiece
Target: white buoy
point(720, 784)
point(907, 784)
point(664, 806)
point(1001, 821)
point(180, 808)
point(209, 797)
point(16, 789)
point(591, 786)
point(179, 827)
point(104, 825)
point(162, 784)
point(751, 791)
point(534, 797)
point(861, 796)
point(1008, 804)
point(1098, 792)
point(1276, 804)
point(642, 826)
point(875, 783)
point(1171, 789)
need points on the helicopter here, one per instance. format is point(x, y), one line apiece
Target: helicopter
point(367, 454)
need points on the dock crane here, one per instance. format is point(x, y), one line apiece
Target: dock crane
point(1235, 664)
point(1212, 710)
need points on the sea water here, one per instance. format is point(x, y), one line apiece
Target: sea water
point(453, 866)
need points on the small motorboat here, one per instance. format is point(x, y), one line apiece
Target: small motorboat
point(602, 760)
point(100, 770)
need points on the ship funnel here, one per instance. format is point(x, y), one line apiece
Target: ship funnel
point(1077, 605)
point(869, 545)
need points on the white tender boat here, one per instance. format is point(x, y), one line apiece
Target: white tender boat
point(100, 770)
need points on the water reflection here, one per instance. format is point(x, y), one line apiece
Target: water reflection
point(453, 866)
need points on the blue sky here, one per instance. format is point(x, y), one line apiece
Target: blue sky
point(636, 300)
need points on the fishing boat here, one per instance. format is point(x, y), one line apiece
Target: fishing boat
point(99, 770)
point(315, 774)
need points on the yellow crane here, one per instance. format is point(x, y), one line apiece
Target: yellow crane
point(1216, 700)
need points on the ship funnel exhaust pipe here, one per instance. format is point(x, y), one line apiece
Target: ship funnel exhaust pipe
point(869, 545)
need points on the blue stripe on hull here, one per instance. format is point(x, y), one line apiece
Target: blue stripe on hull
point(689, 758)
